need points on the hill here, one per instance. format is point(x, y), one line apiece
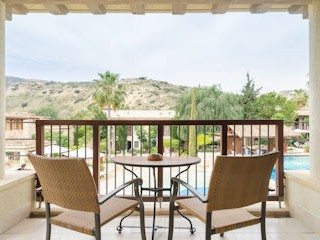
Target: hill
point(30, 95)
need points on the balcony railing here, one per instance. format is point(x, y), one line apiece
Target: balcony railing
point(204, 138)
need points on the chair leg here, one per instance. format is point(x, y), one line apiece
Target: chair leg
point(48, 220)
point(208, 225)
point(97, 226)
point(263, 230)
point(263, 221)
point(171, 220)
point(174, 189)
point(142, 223)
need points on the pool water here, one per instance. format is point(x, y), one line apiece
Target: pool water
point(289, 162)
point(293, 163)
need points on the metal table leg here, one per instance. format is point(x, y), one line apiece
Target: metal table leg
point(154, 201)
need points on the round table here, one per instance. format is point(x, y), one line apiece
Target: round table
point(142, 161)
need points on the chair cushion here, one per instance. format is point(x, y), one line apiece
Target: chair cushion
point(84, 222)
point(222, 220)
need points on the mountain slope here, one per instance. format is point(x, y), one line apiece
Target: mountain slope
point(29, 95)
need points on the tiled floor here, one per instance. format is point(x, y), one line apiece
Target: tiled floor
point(277, 229)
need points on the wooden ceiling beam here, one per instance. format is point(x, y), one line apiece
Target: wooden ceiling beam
point(97, 8)
point(8, 12)
point(293, 2)
point(305, 13)
point(179, 9)
point(19, 9)
point(143, 6)
point(138, 9)
point(296, 9)
point(56, 9)
point(220, 8)
point(260, 8)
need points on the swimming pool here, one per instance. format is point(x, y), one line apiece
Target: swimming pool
point(295, 162)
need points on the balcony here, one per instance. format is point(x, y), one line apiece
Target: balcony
point(171, 138)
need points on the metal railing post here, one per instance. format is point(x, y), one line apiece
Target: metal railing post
point(224, 139)
point(279, 164)
point(96, 154)
point(160, 150)
point(39, 138)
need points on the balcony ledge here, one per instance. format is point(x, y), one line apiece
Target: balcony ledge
point(13, 178)
point(16, 198)
point(303, 177)
point(302, 196)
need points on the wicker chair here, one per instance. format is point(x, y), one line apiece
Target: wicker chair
point(235, 182)
point(68, 183)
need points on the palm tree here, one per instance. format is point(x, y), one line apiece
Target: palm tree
point(300, 97)
point(108, 93)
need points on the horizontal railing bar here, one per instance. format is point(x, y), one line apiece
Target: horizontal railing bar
point(158, 122)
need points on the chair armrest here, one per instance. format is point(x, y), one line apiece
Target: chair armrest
point(194, 191)
point(104, 198)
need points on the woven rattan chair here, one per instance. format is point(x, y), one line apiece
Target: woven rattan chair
point(68, 183)
point(235, 182)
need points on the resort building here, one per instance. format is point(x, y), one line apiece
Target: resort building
point(302, 121)
point(256, 139)
point(20, 136)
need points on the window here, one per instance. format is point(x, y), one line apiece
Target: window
point(14, 124)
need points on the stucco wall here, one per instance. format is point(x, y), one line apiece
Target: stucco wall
point(16, 198)
point(302, 196)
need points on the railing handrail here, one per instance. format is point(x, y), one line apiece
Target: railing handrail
point(158, 122)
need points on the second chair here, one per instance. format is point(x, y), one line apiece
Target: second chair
point(235, 182)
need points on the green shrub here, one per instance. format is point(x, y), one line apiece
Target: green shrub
point(174, 144)
point(24, 104)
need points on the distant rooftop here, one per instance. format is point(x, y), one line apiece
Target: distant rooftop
point(142, 114)
point(22, 115)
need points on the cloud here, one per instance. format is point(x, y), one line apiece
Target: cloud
point(189, 50)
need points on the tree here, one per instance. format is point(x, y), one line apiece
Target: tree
point(142, 135)
point(300, 97)
point(59, 138)
point(108, 93)
point(96, 112)
point(122, 135)
point(211, 103)
point(274, 106)
point(47, 111)
point(249, 96)
point(192, 129)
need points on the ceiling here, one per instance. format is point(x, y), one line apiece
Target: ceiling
point(178, 7)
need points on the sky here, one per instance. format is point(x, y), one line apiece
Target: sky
point(189, 50)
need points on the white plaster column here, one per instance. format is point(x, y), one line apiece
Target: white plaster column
point(2, 89)
point(314, 83)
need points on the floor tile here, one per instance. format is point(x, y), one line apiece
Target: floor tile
point(277, 229)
